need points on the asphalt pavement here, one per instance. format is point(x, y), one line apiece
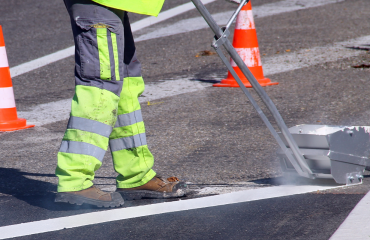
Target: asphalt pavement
point(212, 138)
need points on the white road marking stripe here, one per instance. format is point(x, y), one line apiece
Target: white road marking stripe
point(165, 15)
point(43, 61)
point(356, 225)
point(3, 58)
point(309, 57)
point(180, 27)
point(40, 62)
point(57, 111)
point(25, 229)
point(7, 98)
point(265, 10)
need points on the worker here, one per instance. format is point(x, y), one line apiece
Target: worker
point(105, 109)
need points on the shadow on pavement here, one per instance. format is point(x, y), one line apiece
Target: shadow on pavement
point(205, 80)
point(41, 193)
point(34, 192)
point(22, 186)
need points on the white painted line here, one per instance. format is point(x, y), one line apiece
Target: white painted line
point(180, 27)
point(58, 111)
point(165, 15)
point(170, 88)
point(43, 61)
point(265, 10)
point(357, 224)
point(290, 6)
point(309, 57)
point(7, 98)
point(25, 229)
point(3, 58)
point(40, 62)
point(184, 26)
point(48, 112)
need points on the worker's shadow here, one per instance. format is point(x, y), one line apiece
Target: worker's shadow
point(34, 192)
point(41, 194)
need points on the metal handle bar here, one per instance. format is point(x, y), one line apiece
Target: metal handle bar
point(236, 13)
point(303, 169)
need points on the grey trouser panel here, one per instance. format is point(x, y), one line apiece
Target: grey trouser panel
point(86, 18)
point(105, 109)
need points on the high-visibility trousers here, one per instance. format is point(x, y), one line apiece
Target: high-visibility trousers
point(105, 108)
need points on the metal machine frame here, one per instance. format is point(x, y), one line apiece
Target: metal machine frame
point(289, 149)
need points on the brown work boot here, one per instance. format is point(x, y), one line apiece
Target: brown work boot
point(93, 196)
point(156, 188)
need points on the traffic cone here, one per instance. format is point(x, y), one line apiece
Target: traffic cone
point(246, 44)
point(9, 120)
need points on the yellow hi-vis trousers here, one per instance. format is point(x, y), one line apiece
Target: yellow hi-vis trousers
point(105, 108)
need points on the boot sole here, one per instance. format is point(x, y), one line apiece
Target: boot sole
point(139, 194)
point(117, 200)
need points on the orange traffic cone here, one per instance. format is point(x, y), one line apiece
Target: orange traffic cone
point(246, 44)
point(9, 120)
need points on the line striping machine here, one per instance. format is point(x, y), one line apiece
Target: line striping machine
point(341, 153)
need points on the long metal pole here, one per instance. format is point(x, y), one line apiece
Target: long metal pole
point(235, 14)
point(287, 153)
point(263, 95)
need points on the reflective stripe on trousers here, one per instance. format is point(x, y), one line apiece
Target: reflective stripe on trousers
point(105, 108)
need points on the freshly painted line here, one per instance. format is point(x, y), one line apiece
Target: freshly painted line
point(57, 111)
point(56, 224)
point(265, 10)
point(356, 225)
point(43, 61)
point(7, 98)
point(3, 58)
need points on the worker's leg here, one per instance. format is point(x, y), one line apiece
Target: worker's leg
point(99, 40)
point(132, 158)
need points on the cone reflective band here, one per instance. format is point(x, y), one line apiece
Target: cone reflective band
point(246, 44)
point(9, 120)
